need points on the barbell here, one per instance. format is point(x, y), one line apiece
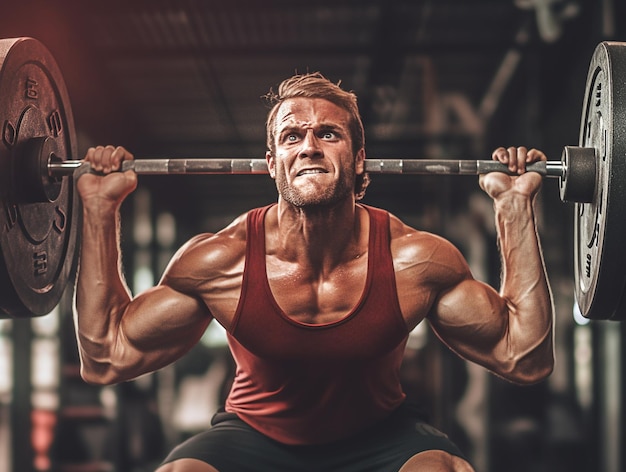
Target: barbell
point(40, 215)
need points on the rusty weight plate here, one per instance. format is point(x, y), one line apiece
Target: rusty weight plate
point(38, 230)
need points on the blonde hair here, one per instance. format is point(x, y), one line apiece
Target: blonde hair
point(315, 85)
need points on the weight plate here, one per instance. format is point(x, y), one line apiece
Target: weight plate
point(37, 235)
point(600, 226)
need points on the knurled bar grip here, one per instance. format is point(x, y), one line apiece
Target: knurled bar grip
point(259, 166)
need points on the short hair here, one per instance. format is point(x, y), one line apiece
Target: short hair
point(315, 85)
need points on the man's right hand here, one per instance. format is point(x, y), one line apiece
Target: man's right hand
point(108, 185)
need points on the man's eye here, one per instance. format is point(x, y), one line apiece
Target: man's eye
point(291, 138)
point(328, 135)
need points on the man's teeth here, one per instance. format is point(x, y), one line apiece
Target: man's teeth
point(311, 171)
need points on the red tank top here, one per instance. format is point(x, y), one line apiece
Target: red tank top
point(306, 384)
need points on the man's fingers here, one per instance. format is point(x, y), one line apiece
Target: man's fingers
point(516, 158)
point(108, 158)
point(535, 155)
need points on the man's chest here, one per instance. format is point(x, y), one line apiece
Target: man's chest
point(312, 296)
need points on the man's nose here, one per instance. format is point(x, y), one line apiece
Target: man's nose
point(310, 146)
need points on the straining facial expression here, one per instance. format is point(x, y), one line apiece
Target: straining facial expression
point(313, 160)
point(288, 110)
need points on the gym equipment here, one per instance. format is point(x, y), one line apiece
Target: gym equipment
point(40, 209)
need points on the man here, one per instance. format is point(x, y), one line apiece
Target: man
point(318, 294)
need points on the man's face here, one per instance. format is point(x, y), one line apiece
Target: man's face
point(313, 162)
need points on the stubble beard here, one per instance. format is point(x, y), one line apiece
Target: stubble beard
point(326, 197)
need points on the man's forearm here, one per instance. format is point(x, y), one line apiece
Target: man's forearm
point(524, 284)
point(101, 293)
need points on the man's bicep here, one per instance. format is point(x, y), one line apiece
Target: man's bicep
point(170, 311)
point(470, 318)
point(162, 324)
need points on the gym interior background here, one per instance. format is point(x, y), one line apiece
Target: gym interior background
point(436, 79)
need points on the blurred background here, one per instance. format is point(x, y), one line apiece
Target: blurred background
point(435, 79)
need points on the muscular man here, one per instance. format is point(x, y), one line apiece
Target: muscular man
point(318, 294)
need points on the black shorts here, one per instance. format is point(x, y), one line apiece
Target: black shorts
point(233, 446)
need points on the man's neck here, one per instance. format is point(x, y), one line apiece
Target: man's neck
point(323, 237)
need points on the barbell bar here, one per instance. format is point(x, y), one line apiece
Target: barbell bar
point(39, 217)
point(161, 166)
point(576, 170)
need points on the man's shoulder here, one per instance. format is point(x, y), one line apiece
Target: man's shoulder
point(411, 244)
point(211, 252)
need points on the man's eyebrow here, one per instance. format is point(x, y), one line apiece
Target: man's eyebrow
point(326, 126)
point(288, 129)
point(330, 126)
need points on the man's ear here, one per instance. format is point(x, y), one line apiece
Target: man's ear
point(359, 163)
point(271, 167)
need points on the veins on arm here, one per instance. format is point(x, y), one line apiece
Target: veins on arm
point(163, 323)
point(480, 325)
point(435, 282)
